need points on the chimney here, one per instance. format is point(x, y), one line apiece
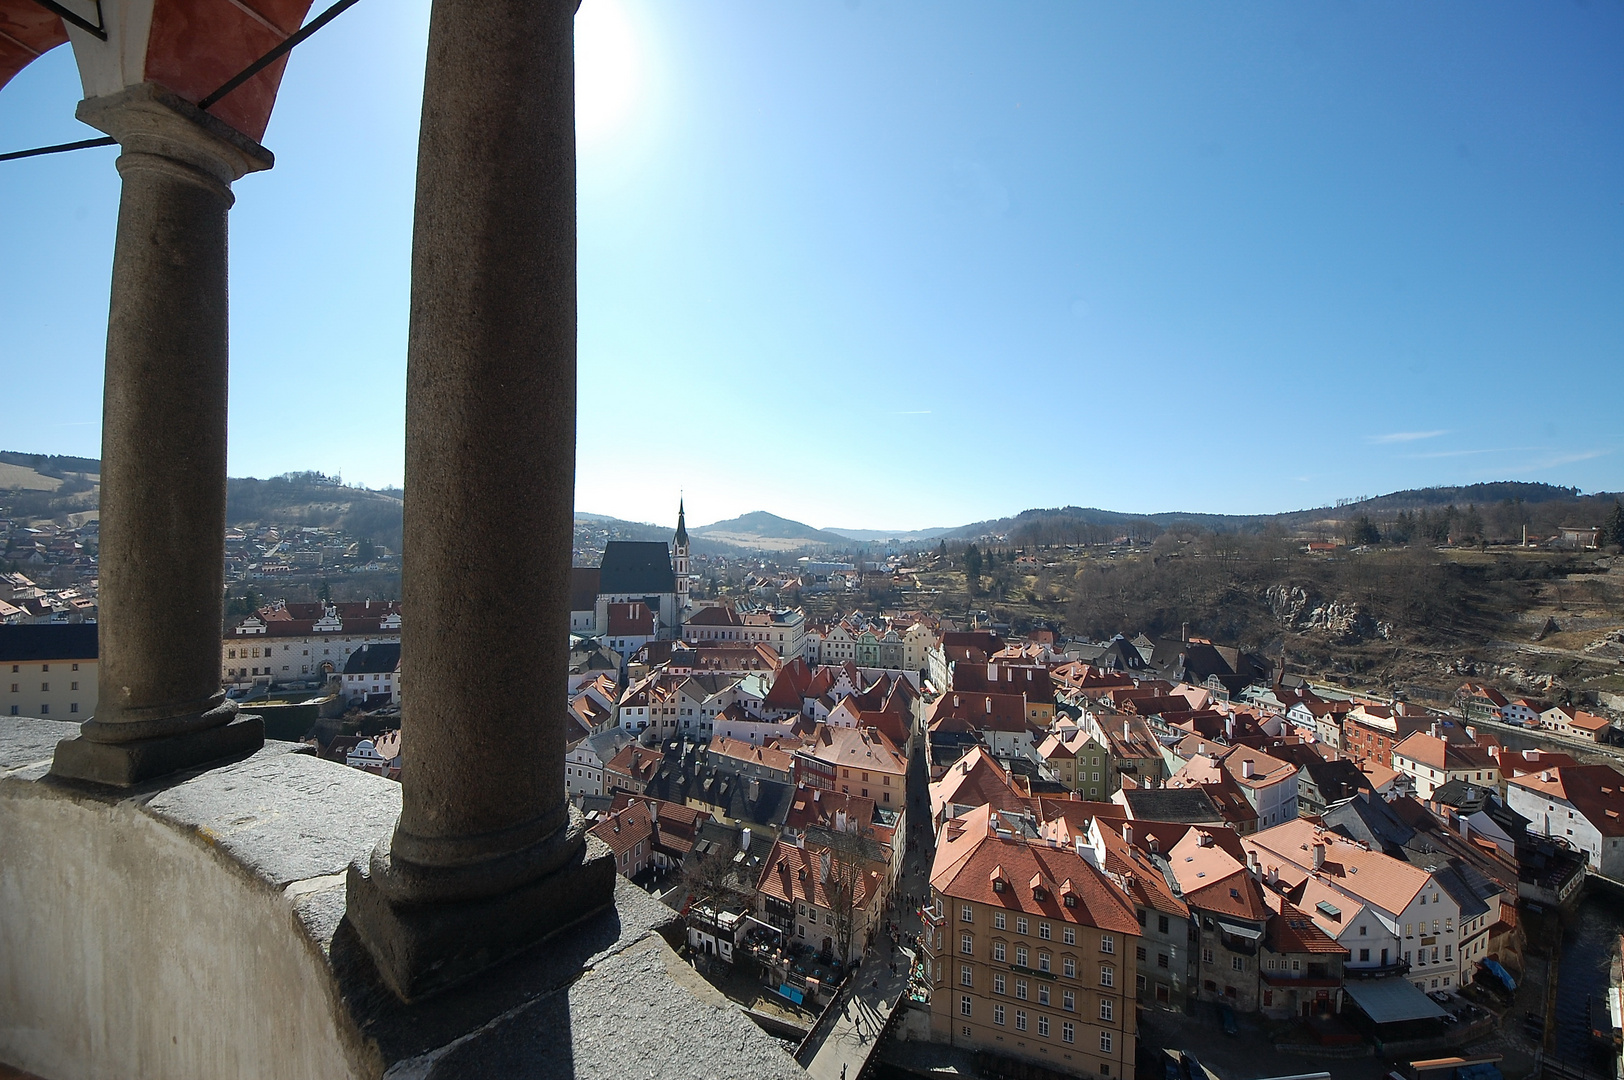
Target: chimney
point(992, 673)
point(989, 704)
point(1319, 856)
point(1127, 831)
point(1546, 776)
point(1471, 733)
point(744, 839)
point(1248, 768)
point(1203, 839)
point(1251, 861)
point(1274, 875)
point(1434, 729)
point(1184, 633)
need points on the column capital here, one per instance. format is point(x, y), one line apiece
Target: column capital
point(149, 119)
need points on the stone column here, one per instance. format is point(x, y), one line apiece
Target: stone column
point(163, 486)
point(488, 856)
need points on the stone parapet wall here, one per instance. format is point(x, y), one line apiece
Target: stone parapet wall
point(194, 928)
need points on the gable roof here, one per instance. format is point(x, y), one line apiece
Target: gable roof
point(374, 659)
point(965, 870)
point(636, 566)
point(43, 642)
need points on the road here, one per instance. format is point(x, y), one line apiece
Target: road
point(867, 1006)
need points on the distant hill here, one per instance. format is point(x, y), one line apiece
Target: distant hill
point(869, 535)
point(768, 532)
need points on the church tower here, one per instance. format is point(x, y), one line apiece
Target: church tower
point(679, 551)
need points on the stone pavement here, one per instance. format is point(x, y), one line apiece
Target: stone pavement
point(864, 1012)
point(865, 1009)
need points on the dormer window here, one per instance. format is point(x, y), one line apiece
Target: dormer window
point(1071, 899)
point(998, 885)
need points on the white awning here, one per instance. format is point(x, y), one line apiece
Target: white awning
point(1240, 931)
point(1387, 1001)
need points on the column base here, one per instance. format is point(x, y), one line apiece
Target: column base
point(130, 763)
point(421, 949)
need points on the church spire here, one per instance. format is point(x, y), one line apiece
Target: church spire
point(682, 526)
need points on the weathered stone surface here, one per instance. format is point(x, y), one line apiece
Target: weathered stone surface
point(617, 1020)
point(183, 919)
point(26, 745)
point(283, 816)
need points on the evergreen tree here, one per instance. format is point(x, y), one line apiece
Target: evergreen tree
point(1612, 529)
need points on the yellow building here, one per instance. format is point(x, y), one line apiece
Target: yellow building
point(49, 670)
point(1030, 950)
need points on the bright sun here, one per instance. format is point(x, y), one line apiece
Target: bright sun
point(607, 69)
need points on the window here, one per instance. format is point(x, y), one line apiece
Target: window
point(1068, 1001)
point(1107, 943)
point(964, 1005)
point(1043, 931)
point(1043, 961)
point(998, 951)
point(1020, 1020)
point(45, 688)
point(1364, 955)
point(1020, 989)
point(1021, 956)
point(967, 945)
point(1069, 966)
point(1161, 960)
point(966, 976)
point(998, 920)
point(1043, 993)
point(1161, 923)
point(1068, 1032)
point(1363, 930)
point(1043, 1025)
point(1206, 956)
point(1020, 925)
point(1068, 935)
point(967, 914)
point(73, 707)
point(1139, 953)
point(1107, 1010)
point(1107, 975)
point(44, 709)
point(998, 1015)
point(1105, 1043)
point(998, 984)
point(1237, 963)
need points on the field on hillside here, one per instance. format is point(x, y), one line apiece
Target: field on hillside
point(1418, 619)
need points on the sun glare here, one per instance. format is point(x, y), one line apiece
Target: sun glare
point(607, 69)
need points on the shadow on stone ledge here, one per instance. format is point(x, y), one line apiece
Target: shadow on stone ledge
point(213, 903)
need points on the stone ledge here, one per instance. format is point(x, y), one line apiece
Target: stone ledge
point(274, 833)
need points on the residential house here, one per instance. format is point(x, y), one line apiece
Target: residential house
point(584, 762)
point(1392, 916)
point(1575, 724)
point(1370, 731)
point(1580, 805)
point(830, 897)
point(1431, 761)
point(1300, 965)
point(371, 675)
point(1028, 949)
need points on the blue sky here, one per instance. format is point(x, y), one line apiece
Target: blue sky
point(891, 265)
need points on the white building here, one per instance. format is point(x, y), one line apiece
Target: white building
point(1581, 805)
point(1385, 911)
